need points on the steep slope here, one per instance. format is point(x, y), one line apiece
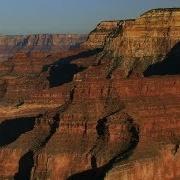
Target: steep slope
point(134, 45)
point(98, 36)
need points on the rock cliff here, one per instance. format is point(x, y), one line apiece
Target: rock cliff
point(98, 36)
point(133, 45)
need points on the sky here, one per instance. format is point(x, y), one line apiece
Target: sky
point(69, 16)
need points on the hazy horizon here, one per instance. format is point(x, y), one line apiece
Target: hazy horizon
point(68, 16)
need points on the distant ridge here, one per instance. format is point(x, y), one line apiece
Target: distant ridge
point(160, 10)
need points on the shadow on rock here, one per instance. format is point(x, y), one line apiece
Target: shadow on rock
point(169, 66)
point(100, 173)
point(10, 130)
point(63, 71)
point(26, 164)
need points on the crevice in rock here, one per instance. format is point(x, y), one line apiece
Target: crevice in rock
point(29, 160)
point(99, 173)
point(10, 130)
point(176, 148)
point(102, 137)
point(54, 124)
point(26, 164)
point(93, 162)
point(85, 129)
point(116, 62)
point(53, 119)
point(72, 94)
point(102, 128)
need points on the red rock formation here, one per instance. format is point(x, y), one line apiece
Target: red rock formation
point(133, 45)
point(163, 165)
point(97, 37)
point(91, 123)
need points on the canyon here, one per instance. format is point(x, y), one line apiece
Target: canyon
point(106, 106)
point(38, 43)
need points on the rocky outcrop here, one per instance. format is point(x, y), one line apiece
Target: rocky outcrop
point(134, 45)
point(163, 165)
point(98, 36)
point(146, 41)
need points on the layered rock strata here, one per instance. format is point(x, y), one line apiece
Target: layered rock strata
point(98, 36)
point(91, 123)
point(11, 44)
point(135, 44)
